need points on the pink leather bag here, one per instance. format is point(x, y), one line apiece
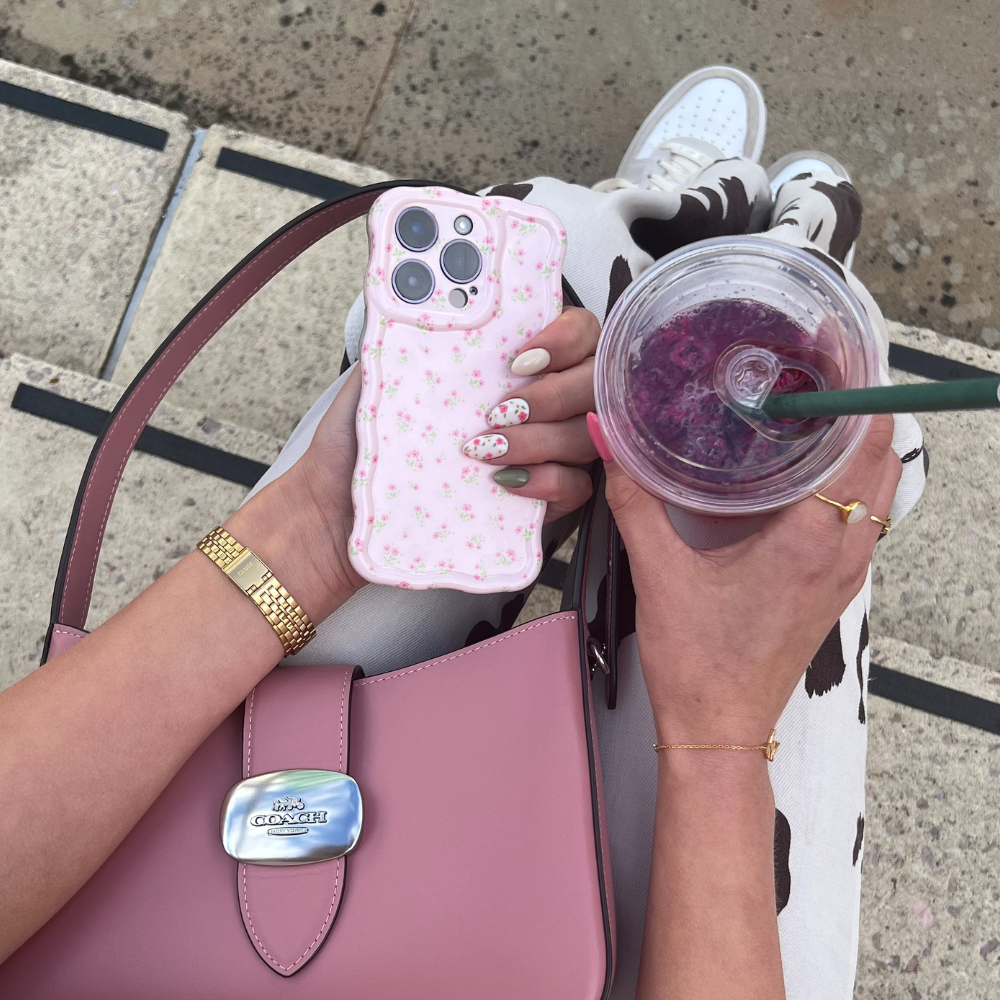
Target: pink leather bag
point(482, 869)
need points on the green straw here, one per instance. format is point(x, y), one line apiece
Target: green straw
point(964, 394)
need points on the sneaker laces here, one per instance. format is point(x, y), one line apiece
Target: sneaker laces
point(679, 166)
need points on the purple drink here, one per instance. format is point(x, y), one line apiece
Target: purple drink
point(672, 391)
point(722, 320)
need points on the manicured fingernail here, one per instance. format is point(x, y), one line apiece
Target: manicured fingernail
point(509, 413)
point(597, 437)
point(531, 362)
point(511, 478)
point(486, 446)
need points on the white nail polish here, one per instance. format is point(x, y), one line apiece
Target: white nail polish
point(531, 362)
point(509, 413)
point(486, 446)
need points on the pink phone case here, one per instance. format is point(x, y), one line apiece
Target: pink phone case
point(425, 515)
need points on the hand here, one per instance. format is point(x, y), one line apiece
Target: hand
point(300, 524)
point(538, 434)
point(725, 635)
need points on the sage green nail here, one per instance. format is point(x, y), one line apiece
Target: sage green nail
point(511, 477)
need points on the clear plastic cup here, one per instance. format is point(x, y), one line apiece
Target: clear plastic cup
point(657, 386)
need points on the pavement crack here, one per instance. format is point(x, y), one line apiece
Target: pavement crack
point(390, 65)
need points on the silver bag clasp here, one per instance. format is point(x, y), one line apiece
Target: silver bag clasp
point(295, 817)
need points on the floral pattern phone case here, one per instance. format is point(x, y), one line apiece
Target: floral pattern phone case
point(433, 366)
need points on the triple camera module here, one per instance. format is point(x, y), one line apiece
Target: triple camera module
point(461, 262)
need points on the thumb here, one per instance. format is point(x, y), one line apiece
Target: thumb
point(641, 518)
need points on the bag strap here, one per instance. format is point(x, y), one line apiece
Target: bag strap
point(296, 717)
point(599, 587)
point(74, 583)
point(114, 445)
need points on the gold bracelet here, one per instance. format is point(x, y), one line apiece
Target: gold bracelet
point(256, 580)
point(768, 749)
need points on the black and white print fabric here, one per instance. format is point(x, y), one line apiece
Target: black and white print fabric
point(819, 775)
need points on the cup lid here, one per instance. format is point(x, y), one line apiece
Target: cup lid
point(657, 374)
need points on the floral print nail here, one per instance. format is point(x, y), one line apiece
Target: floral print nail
point(486, 446)
point(509, 413)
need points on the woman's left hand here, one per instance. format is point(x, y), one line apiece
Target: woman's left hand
point(538, 435)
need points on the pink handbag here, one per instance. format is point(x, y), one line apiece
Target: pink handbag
point(482, 869)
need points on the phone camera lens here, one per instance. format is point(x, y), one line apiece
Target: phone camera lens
point(463, 225)
point(413, 281)
point(461, 261)
point(416, 229)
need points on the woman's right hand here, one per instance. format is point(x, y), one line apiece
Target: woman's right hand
point(725, 634)
point(724, 637)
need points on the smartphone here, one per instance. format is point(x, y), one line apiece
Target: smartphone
point(456, 284)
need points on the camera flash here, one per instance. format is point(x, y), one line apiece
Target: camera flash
point(463, 225)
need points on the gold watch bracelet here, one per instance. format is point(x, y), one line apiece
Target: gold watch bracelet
point(254, 577)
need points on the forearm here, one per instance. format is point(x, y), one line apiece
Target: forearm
point(711, 926)
point(92, 738)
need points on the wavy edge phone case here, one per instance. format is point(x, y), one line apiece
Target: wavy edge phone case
point(426, 515)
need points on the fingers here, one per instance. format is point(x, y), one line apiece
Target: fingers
point(884, 485)
point(545, 422)
point(863, 478)
point(533, 444)
point(562, 344)
point(870, 478)
point(335, 430)
point(540, 433)
point(551, 398)
point(564, 489)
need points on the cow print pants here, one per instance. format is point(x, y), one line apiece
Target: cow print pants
point(819, 775)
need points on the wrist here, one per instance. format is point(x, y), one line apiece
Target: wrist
point(722, 773)
point(288, 530)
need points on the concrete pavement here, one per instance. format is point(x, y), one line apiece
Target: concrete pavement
point(77, 211)
point(907, 95)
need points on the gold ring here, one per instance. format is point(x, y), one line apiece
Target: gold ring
point(886, 524)
point(850, 513)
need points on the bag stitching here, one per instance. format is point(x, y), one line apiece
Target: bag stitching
point(249, 731)
point(343, 700)
point(336, 885)
point(263, 949)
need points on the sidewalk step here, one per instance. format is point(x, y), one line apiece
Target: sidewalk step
point(78, 209)
point(936, 578)
point(930, 840)
point(308, 72)
point(272, 360)
point(161, 511)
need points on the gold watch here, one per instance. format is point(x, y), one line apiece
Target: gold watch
point(256, 580)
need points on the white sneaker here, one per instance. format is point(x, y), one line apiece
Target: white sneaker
point(793, 166)
point(712, 114)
